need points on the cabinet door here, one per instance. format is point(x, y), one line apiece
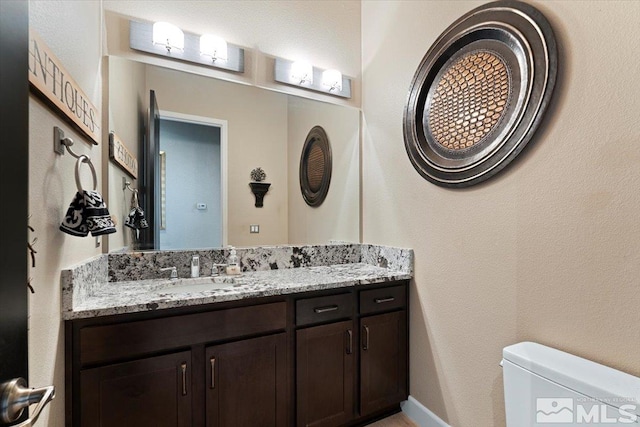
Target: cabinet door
point(148, 392)
point(247, 383)
point(325, 375)
point(383, 361)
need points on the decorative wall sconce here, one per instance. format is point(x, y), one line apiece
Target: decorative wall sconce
point(309, 77)
point(167, 40)
point(258, 187)
point(168, 35)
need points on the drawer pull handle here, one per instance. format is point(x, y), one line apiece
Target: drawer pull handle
point(383, 300)
point(325, 309)
point(184, 378)
point(213, 372)
point(365, 341)
point(349, 341)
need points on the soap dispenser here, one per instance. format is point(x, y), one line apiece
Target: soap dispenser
point(233, 268)
point(195, 266)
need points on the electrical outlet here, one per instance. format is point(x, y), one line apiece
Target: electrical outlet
point(201, 206)
point(254, 228)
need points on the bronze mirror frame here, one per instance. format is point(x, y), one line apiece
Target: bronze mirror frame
point(479, 93)
point(316, 161)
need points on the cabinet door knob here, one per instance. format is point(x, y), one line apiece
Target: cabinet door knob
point(212, 361)
point(184, 378)
point(365, 338)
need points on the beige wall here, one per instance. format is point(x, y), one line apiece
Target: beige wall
point(72, 30)
point(547, 251)
point(338, 217)
point(127, 104)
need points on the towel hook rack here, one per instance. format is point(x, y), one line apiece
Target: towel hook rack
point(126, 185)
point(60, 143)
point(85, 159)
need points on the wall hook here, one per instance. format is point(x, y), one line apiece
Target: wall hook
point(60, 143)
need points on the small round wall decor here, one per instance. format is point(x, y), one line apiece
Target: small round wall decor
point(479, 93)
point(315, 167)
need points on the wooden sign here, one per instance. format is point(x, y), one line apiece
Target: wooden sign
point(53, 84)
point(121, 156)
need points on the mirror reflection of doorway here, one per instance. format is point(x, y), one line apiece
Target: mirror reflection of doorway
point(196, 203)
point(191, 186)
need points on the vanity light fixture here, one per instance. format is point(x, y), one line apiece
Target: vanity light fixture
point(214, 47)
point(306, 76)
point(207, 50)
point(168, 35)
point(332, 79)
point(302, 73)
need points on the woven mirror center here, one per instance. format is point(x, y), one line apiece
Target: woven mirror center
point(315, 167)
point(469, 101)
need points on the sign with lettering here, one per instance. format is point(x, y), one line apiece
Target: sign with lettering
point(53, 84)
point(121, 156)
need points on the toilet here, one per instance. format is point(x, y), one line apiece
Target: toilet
point(545, 387)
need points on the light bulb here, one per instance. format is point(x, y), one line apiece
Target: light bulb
point(168, 35)
point(302, 72)
point(332, 79)
point(213, 46)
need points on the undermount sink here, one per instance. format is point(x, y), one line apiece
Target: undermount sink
point(199, 284)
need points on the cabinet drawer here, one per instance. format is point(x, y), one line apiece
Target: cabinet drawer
point(112, 342)
point(382, 299)
point(322, 309)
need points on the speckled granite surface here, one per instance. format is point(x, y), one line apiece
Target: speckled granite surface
point(131, 282)
point(146, 265)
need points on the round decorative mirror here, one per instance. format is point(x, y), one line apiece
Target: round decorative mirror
point(315, 167)
point(479, 93)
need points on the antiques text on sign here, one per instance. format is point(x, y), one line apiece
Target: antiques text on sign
point(57, 88)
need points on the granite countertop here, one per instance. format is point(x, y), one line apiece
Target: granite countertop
point(155, 294)
point(89, 289)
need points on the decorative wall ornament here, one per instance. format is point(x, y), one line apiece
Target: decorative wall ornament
point(315, 167)
point(121, 156)
point(480, 93)
point(258, 175)
point(258, 187)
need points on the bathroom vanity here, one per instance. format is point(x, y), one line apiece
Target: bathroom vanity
point(322, 345)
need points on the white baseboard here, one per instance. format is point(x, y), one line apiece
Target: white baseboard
point(420, 415)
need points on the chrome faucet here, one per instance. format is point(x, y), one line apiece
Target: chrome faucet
point(174, 271)
point(218, 269)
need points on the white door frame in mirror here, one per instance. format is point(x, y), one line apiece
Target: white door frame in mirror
point(222, 124)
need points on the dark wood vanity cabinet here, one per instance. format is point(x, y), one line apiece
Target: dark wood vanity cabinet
point(153, 391)
point(223, 367)
point(384, 348)
point(383, 361)
point(348, 370)
point(327, 358)
point(246, 383)
point(325, 375)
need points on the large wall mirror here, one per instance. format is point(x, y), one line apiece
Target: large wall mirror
point(212, 134)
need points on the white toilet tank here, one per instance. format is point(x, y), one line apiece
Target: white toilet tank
point(545, 387)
